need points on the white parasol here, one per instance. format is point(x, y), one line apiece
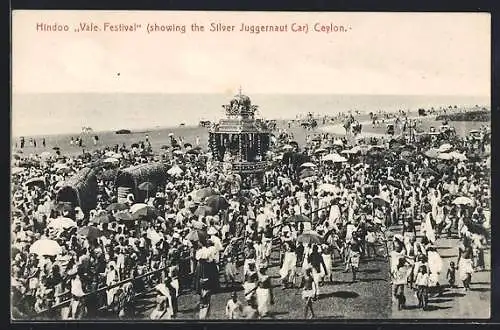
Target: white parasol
point(62, 223)
point(46, 247)
point(463, 201)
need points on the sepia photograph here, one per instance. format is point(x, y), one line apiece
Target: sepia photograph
point(204, 165)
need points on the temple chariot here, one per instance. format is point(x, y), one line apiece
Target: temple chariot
point(240, 142)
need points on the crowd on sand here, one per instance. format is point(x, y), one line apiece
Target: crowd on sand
point(332, 200)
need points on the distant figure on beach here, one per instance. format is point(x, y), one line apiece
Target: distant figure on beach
point(71, 142)
point(197, 140)
point(96, 139)
point(31, 142)
point(34, 143)
point(147, 138)
point(43, 142)
point(79, 142)
point(22, 142)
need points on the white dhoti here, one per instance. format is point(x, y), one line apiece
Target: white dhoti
point(263, 301)
point(465, 268)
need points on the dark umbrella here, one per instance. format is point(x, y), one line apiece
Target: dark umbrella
point(124, 216)
point(164, 147)
point(36, 182)
point(146, 186)
point(56, 148)
point(298, 218)
point(187, 145)
point(394, 183)
point(135, 145)
point(197, 236)
point(62, 206)
point(310, 238)
point(102, 218)
point(380, 201)
point(427, 172)
point(217, 203)
point(306, 174)
point(90, 232)
point(194, 151)
point(204, 210)
point(203, 193)
point(148, 212)
point(117, 207)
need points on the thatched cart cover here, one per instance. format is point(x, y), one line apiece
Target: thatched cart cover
point(133, 176)
point(80, 190)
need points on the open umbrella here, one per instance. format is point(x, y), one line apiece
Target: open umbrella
point(117, 207)
point(405, 154)
point(101, 218)
point(56, 148)
point(196, 236)
point(458, 156)
point(445, 156)
point(308, 165)
point(194, 151)
point(326, 187)
point(111, 160)
point(306, 173)
point(198, 225)
point(146, 186)
point(203, 193)
point(62, 206)
point(427, 172)
point(164, 147)
point(124, 216)
point(394, 183)
point(62, 223)
point(46, 247)
point(139, 207)
point(298, 218)
point(310, 238)
point(146, 212)
point(90, 232)
point(334, 158)
point(377, 200)
point(217, 203)
point(64, 170)
point(175, 170)
point(45, 155)
point(16, 170)
point(432, 153)
point(35, 182)
point(320, 150)
point(445, 147)
point(204, 210)
point(463, 201)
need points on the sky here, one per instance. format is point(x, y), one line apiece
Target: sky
point(382, 53)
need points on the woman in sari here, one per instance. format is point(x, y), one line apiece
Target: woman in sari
point(264, 293)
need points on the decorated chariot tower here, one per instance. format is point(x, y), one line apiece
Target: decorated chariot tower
point(240, 142)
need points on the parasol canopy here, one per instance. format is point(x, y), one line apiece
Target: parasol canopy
point(146, 186)
point(328, 187)
point(445, 147)
point(334, 158)
point(142, 211)
point(61, 223)
point(445, 156)
point(427, 172)
point(117, 207)
point(101, 218)
point(308, 164)
point(217, 203)
point(298, 218)
point(320, 150)
point(432, 153)
point(196, 236)
point(377, 200)
point(463, 201)
point(310, 238)
point(203, 193)
point(204, 210)
point(306, 173)
point(197, 225)
point(175, 170)
point(458, 156)
point(90, 232)
point(111, 160)
point(40, 182)
point(46, 247)
point(124, 216)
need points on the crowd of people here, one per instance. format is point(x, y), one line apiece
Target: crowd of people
point(331, 200)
